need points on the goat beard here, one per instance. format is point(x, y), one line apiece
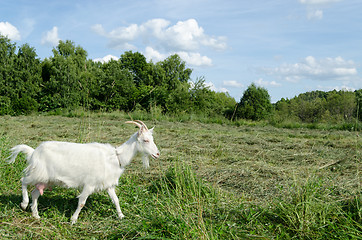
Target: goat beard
point(146, 162)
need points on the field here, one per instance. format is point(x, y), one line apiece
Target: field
point(212, 181)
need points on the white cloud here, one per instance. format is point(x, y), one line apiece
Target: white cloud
point(155, 27)
point(183, 36)
point(105, 59)
point(195, 59)
point(51, 37)
point(119, 38)
point(98, 28)
point(8, 30)
point(212, 87)
point(233, 84)
point(264, 83)
point(311, 68)
point(224, 90)
point(154, 55)
point(189, 36)
point(337, 88)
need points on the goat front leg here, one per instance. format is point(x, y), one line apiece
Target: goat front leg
point(81, 202)
point(112, 194)
point(34, 205)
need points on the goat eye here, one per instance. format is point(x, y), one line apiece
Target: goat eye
point(146, 140)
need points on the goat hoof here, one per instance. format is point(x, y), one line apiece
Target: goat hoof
point(23, 205)
point(36, 216)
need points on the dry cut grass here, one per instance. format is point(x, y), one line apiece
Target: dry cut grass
point(252, 168)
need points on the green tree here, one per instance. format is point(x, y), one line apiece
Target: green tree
point(7, 59)
point(317, 106)
point(255, 103)
point(178, 100)
point(311, 111)
point(358, 94)
point(27, 80)
point(175, 71)
point(137, 65)
point(19, 78)
point(223, 104)
point(201, 96)
point(159, 94)
point(63, 80)
point(210, 102)
point(172, 83)
point(341, 104)
point(115, 87)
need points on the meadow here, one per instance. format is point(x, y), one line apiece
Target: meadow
point(214, 180)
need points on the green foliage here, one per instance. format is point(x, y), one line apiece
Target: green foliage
point(7, 62)
point(175, 71)
point(209, 102)
point(116, 87)
point(255, 103)
point(359, 104)
point(5, 105)
point(137, 65)
point(68, 80)
point(319, 107)
point(64, 84)
point(20, 78)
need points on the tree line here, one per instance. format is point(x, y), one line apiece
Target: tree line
point(322, 107)
point(310, 107)
point(69, 80)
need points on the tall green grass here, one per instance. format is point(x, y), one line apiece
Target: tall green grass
point(186, 201)
point(314, 210)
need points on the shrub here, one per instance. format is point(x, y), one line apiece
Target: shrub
point(255, 103)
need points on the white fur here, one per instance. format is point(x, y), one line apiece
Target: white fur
point(92, 166)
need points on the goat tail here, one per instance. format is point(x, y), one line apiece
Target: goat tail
point(28, 151)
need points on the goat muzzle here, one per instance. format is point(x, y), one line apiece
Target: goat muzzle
point(155, 156)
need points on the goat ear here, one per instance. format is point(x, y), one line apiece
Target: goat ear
point(151, 130)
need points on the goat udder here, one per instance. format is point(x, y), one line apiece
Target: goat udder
point(41, 187)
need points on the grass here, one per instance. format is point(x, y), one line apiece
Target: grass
point(214, 180)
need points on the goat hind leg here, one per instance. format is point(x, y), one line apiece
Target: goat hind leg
point(82, 199)
point(25, 202)
point(112, 194)
point(34, 205)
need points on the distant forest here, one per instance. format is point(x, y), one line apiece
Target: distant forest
point(69, 80)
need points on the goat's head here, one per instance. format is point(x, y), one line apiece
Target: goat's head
point(145, 143)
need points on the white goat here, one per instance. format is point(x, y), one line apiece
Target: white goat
point(92, 166)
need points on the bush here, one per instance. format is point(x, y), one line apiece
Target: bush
point(255, 104)
point(25, 105)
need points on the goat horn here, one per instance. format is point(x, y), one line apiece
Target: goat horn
point(136, 123)
point(143, 124)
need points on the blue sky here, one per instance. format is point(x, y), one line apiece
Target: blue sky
point(287, 46)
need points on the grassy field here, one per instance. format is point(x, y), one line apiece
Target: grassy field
point(212, 181)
